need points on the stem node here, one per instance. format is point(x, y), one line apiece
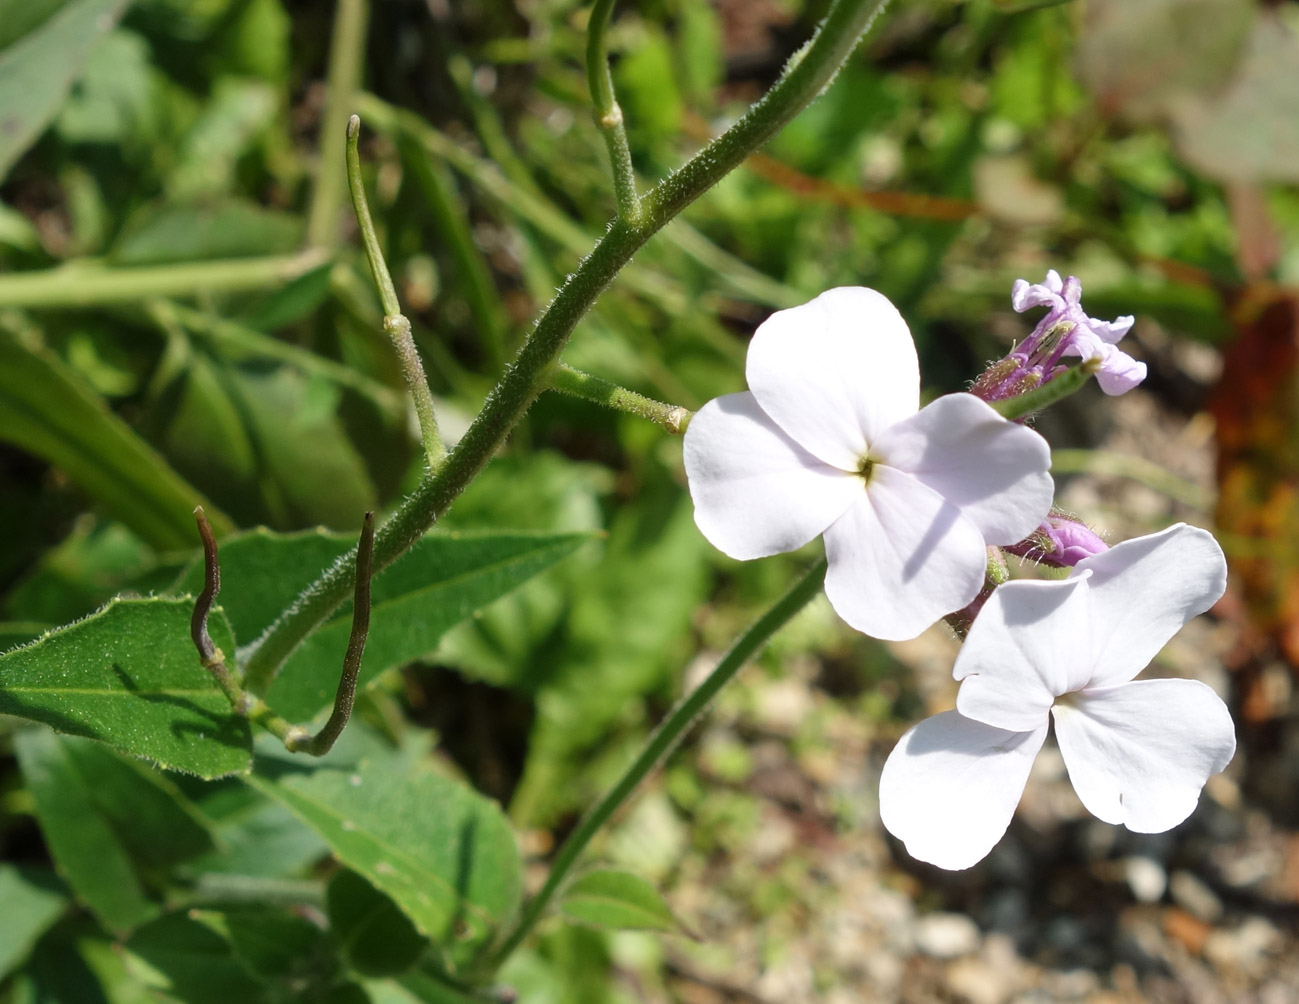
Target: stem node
point(395, 324)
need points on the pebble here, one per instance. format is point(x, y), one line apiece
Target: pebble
point(946, 935)
point(1244, 947)
point(978, 982)
point(1146, 878)
point(1195, 897)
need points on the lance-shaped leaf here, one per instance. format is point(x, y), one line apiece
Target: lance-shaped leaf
point(378, 939)
point(81, 841)
point(129, 676)
point(619, 901)
point(30, 900)
point(442, 580)
point(441, 851)
point(45, 407)
point(114, 826)
point(37, 71)
point(184, 959)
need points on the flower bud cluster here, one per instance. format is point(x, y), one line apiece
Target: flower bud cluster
point(1065, 330)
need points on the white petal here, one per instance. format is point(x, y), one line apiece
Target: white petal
point(993, 469)
point(835, 372)
point(901, 558)
point(1139, 753)
point(756, 491)
point(1142, 592)
point(1030, 644)
point(950, 787)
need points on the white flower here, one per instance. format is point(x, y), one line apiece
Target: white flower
point(1138, 753)
point(829, 440)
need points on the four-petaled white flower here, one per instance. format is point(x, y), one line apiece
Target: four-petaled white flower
point(828, 440)
point(1138, 753)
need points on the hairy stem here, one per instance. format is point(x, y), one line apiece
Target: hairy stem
point(659, 745)
point(573, 382)
point(804, 78)
point(395, 324)
point(608, 113)
point(1068, 382)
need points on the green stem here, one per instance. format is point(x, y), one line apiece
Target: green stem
point(1056, 389)
point(346, 58)
point(573, 382)
point(215, 888)
point(804, 78)
point(395, 323)
point(525, 203)
point(294, 737)
point(239, 341)
point(658, 747)
point(83, 285)
point(608, 113)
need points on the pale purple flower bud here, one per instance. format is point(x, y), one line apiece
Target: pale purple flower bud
point(1061, 541)
point(1065, 331)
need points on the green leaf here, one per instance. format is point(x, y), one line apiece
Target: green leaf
point(442, 580)
point(30, 900)
point(232, 228)
point(81, 573)
point(115, 827)
point(129, 676)
point(83, 844)
point(18, 17)
point(37, 71)
point(647, 87)
point(183, 957)
point(157, 825)
point(273, 943)
point(268, 436)
point(238, 112)
point(378, 939)
point(47, 409)
point(258, 40)
point(65, 967)
point(262, 572)
point(257, 837)
point(115, 100)
point(444, 853)
point(618, 900)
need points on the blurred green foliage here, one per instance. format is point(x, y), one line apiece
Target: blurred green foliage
point(966, 145)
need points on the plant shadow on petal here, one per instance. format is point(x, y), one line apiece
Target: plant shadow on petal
point(938, 528)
